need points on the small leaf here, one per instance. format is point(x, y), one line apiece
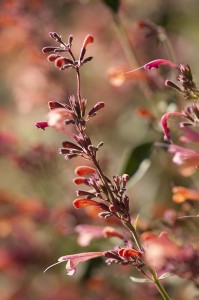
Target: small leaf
point(135, 222)
point(136, 157)
point(140, 280)
point(113, 4)
point(165, 275)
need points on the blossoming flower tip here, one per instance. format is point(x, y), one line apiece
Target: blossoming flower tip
point(82, 202)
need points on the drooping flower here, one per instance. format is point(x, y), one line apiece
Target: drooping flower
point(74, 259)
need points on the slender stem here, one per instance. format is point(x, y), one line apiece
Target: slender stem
point(133, 232)
point(130, 54)
point(159, 286)
point(169, 49)
point(125, 223)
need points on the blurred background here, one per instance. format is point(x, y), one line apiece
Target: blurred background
point(37, 219)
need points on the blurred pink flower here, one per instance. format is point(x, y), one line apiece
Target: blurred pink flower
point(74, 259)
point(159, 249)
point(189, 135)
point(187, 159)
point(87, 233)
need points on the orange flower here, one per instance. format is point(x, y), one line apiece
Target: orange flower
point(81, 202)
point(181, 194)
point(84, 170)
point(118, 76)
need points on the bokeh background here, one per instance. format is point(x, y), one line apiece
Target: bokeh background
point(37, 219)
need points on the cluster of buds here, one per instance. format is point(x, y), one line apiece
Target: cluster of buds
point(125, 256)
point(117, 205)
point(62, 62)
point(188, 87)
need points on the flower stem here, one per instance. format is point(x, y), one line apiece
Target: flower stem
point(159, 286)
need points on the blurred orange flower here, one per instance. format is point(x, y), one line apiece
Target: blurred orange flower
point(181, 194)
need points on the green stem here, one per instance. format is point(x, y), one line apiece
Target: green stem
point(130, 54)
point(133, 232)
point(159, 286)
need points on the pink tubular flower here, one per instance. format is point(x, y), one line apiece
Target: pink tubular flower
point(155, 64)
point(74, 259)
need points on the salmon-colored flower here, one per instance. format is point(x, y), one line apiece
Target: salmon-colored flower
point(119, 75)
point(74, 259)
point(159, 248)
point(181, 194)
point(109, 232)
point(84, 170)
point(89, 39)
point(82, 202)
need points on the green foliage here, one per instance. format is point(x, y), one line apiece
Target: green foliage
point(136, 157)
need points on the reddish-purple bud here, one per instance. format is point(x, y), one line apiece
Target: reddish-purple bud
point(42, 125)
point(54, 104)
point(48, 49)
point(70, 145)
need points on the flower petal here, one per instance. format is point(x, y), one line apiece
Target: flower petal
point(82, 202)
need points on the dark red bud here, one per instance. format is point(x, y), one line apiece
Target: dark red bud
point(48, 49)
point(41, 125)
point(52, 57)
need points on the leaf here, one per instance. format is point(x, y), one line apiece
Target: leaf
point(135, 222)
point(140, 280)
point(112, 4)
point(165, 275)
point(136, 157)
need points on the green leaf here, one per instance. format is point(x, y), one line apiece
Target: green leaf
point(140, 280)
point(165, 275)
point(136, 157)
point(113, 4)
point(135, 222)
